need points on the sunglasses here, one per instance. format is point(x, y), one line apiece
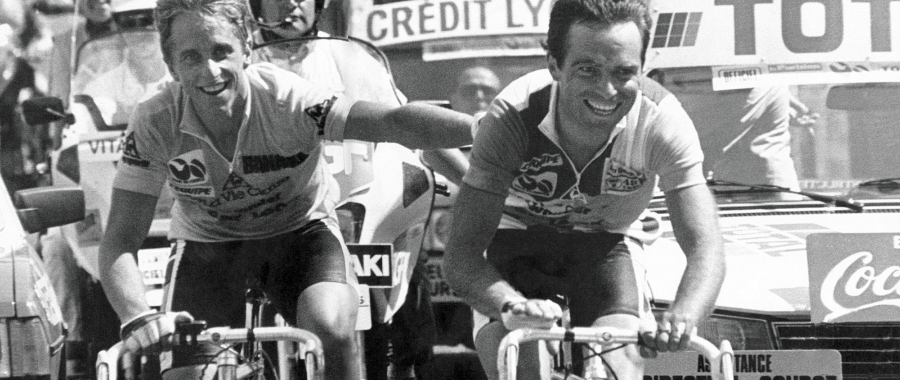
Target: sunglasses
point(132, 20)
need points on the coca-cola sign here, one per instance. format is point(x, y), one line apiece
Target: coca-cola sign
point(854, 277)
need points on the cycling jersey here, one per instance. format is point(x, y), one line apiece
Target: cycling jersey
point(277, 180)
point(518, 154)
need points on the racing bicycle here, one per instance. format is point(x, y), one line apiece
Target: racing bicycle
point(721, 358)
point(251, 362)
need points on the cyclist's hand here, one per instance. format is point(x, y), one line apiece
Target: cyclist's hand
point(673, 333)
point(532, 313)
point(152, 333)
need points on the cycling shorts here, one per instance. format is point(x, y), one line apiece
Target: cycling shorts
point(209, 280)
point(594, 271)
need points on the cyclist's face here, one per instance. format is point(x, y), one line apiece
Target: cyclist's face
point(300, 13)
point(208, 59)
point(598, 78)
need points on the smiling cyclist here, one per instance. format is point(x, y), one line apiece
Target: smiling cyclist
point(574, 153)
point(239, 145)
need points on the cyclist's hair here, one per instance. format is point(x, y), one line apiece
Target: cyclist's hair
point(567, 13)
point(234, 11)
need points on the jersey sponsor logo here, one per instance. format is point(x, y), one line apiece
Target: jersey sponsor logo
point(234, 181)
point(677, 29)
point(130, 155)
point(236, 189)
point(319, 113)
point(622, 179)
point(193, 191)
point(188, 169)
point(271, 162)
point(541, 184)
point(545, 160)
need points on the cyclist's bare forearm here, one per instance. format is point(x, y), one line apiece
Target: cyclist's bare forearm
point(416, 126)
point(475, 219)
point(696, 229)
point(129, 220)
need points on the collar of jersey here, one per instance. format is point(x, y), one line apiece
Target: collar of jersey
point(191, 124)
point(548, 124)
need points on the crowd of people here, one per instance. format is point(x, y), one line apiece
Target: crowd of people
point(563, 162)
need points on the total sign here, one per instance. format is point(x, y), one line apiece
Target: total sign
point(854, 277)
point(730, 32)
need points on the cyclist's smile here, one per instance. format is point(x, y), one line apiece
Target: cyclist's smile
point(215, 89)
point(602, 108)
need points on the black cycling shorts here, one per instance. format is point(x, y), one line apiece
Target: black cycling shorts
point(594, 271)
point(209, 280)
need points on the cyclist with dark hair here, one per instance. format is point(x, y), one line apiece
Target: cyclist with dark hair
point(575, 152)
point(239, 145)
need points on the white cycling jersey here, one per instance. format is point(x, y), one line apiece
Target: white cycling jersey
point(277, 180)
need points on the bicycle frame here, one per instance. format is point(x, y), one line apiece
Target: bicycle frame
point(508, 354)
point(310, 349)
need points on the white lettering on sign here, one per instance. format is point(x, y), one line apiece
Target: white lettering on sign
point(408, 21)
point(897, 242)
point(858, 282)
point(372, 265)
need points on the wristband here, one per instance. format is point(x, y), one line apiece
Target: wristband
point(139, 321)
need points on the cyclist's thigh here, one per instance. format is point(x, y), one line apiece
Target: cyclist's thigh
point(603, 276)
point(206, 280)
point(296, 260)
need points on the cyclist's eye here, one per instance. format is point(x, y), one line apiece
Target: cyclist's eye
point(190, 57)
point(221, 52)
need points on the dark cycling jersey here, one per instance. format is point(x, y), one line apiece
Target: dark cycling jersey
point(517, 153)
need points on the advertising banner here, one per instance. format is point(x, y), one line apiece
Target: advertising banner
point(749, 365)
point(854, 277)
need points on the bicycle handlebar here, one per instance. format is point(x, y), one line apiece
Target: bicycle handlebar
point(508, 354)
point(107, 361)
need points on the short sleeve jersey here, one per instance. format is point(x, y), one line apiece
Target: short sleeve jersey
point(517, 153)
point(277, 180)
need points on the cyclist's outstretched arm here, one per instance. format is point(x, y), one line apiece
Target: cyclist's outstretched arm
point(696, 228)
point(414, 125)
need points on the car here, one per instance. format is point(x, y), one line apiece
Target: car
point(811, 265)
point(32, 330)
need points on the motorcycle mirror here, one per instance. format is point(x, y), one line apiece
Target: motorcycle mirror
point(43, 110)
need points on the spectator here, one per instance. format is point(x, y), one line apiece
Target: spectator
point(141, 72)
point(17, 83)
point(475, 89)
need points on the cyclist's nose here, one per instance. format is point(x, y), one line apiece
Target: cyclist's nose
point(606, 88)
point(214, 68)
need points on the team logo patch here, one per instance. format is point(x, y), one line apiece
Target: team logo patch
point(540, 185)
point(622, 179)
point(130, 154)
point(188, 168)
point(319, 113)
point(545, 160)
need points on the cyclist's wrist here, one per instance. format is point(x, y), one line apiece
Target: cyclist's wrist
point(136, 322)
point(510, 301)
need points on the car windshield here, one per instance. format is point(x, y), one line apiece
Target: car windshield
point(116, 71)
point(820, 138)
